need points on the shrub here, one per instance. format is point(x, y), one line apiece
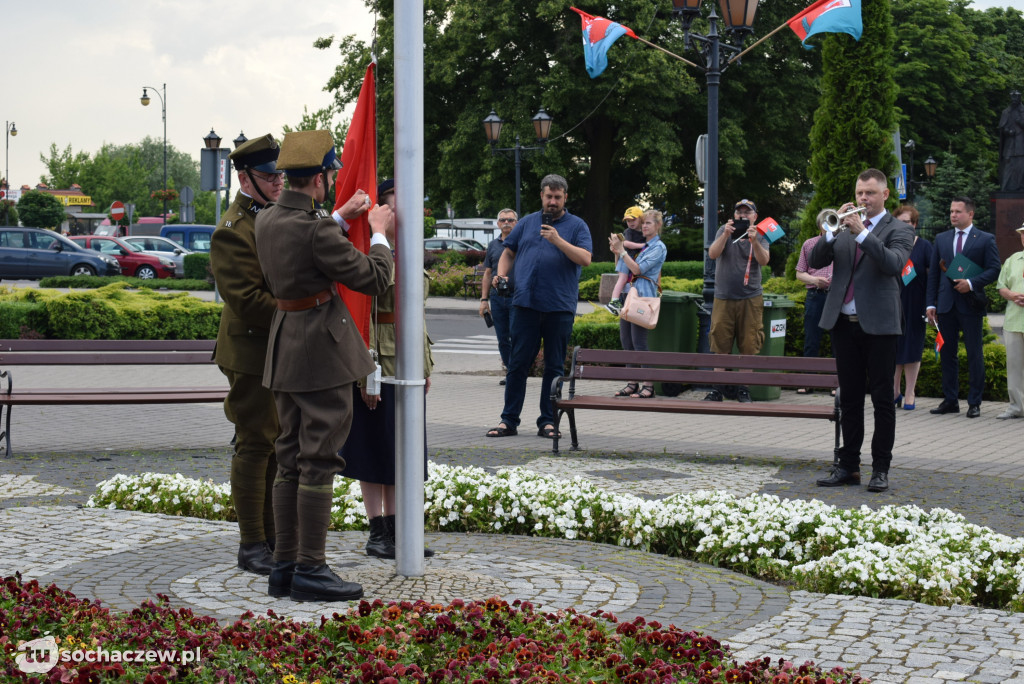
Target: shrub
point(197, 266)
point(446, 278)
point(86, 282)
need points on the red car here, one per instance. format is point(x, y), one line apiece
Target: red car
point(134, 261)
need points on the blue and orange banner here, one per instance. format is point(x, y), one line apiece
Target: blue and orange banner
point(598, 35)
point(828, 16)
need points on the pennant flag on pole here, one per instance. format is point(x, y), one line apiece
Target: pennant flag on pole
point(771, 229)
point(359, 172)
point(909, 272)
point(598, 35)
point(828, 16)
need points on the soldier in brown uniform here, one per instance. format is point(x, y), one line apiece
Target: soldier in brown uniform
point(314, 355)
point(241, 349)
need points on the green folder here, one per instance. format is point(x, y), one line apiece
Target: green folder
point(961, 268)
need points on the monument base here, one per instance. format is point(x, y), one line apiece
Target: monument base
point(1007, 217)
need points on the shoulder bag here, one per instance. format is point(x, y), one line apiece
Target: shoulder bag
point(642, 311)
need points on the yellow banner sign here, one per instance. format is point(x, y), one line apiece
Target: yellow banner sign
point(75, 200)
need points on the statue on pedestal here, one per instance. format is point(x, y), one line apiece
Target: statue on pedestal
point(1011, 146)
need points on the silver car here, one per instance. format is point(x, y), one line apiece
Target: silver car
point(164, 247)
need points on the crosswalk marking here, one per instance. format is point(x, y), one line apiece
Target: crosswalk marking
point(473, 344)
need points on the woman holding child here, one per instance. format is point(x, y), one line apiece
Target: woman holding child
point(645, 272)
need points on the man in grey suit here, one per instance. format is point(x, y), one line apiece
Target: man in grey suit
point(863, 312)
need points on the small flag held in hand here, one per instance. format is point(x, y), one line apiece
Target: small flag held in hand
point(909, 272)
point(938, 343)
point(771, 229)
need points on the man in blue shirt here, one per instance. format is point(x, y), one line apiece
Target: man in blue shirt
point(547, 249)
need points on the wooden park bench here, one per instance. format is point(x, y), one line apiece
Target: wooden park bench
point(473, 282)
point(101, 352)
point(693, 369)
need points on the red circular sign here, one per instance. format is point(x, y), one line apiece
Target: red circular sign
point(117, 211)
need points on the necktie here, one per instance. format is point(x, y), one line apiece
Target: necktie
point(959, 242)
point(856, 260)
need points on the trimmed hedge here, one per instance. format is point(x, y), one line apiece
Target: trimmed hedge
point(197, 267)
point(111, 312)
point(89, 282)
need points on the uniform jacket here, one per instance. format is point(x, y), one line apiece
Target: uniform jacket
point(876, 277)
point(249, 305)
point(979, 247)
point(382, 335)
point(303, 252)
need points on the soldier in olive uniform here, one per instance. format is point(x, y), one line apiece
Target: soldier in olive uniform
point(315, 354)
point(241, 349)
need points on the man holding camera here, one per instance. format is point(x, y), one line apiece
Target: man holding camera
point(738, 309)
point(548, 248)
point(498, 303)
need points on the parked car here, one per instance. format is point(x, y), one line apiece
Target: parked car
point(475, 244)
point(165, 247)
point(193, 236)
point(134, 262)
point(34, 253)
point(445, 244)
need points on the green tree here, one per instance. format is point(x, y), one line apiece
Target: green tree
point(8, 213)
point(40, 210)
point(953, 179)
point(627, 136)
point(63, 167)
point(856, 116)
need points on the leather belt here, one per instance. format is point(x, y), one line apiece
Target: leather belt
point(304, 303)
point(853, 318)
point(386, 317)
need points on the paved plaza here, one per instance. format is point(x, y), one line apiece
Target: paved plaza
point(975, 467)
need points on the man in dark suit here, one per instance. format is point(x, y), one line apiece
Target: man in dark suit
point(314, 354)
point(241, 349)
point(958, 305)
point(863, 312)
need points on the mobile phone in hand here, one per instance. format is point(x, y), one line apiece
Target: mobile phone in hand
point(488, 319)
point(740, 225)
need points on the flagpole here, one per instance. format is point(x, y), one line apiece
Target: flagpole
point(758, 42)
point(658, 47)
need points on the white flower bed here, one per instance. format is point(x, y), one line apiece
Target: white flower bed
point(934, 557)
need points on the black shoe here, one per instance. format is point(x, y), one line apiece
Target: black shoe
point(946, 407)
point(879, 482)
point(743, 395)
point(713, 395)
point(319, 583)
point(838, 477)
point(255, 557)
point(974, 411)
point(281, 579)
point(379, 545)
point(389, 525)
point(502, 381)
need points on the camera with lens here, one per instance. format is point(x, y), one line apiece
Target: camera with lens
point(503, 288)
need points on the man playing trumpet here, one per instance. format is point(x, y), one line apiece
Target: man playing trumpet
point(864, 314)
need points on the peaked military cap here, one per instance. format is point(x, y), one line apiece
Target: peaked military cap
point(307, 153)
point(258, 154)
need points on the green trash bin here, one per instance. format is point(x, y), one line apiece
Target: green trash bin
point(676, 331)
point(776, 308)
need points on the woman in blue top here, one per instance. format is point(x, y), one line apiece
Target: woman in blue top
point(645, 272)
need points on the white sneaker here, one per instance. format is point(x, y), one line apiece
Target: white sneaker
point(1008, 414)
point(614, 307)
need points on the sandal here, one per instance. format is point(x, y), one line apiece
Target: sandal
point(549, 432)
point(646, 393)
point(628, 391)
point(502, 431)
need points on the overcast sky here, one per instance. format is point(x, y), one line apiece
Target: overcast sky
point(75, 70)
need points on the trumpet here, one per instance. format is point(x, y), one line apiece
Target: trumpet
point(832, 221)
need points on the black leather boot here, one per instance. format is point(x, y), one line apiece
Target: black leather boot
point(379, 545)
point(389, 521)
point(281, 579)
point(255, 557)
point(319, 583)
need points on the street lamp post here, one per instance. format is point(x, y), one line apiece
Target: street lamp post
point(738, 16)
point(9, 130)
point(541, 127)
point(163, 106)
point(212, 142)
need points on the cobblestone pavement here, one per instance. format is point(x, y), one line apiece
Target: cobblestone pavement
point(123, 558)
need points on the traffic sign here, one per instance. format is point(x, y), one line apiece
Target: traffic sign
point(117, 211)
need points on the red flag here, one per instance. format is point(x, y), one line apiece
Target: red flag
point(359, 172)
point(938, 343)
